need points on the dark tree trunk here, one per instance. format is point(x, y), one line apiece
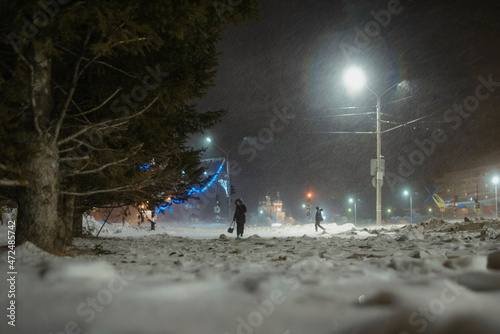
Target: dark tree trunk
point(77, 223)
point(38, 220)
point(66, 211)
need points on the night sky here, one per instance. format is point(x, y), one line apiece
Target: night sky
point(281, 80)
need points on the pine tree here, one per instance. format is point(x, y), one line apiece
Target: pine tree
point(92, 90)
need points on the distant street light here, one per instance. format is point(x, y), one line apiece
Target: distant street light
point(228, 179)
point(308, 207)
point(355, 79)
point(388, 213)
point(411, 209)
point(495, 182)
point(355, 215)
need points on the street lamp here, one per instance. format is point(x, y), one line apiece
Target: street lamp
point(353, 201)
point(495, 182)
point(388, 213)
point(355, 79)
point(411, 209)
point(228, 179)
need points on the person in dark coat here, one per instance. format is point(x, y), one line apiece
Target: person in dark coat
point(239, 217)
point(319, 219)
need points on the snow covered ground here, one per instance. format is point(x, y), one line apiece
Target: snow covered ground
point(433, 277)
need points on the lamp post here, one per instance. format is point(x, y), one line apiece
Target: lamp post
point(356, 79)
point(388, 212)
point(355, 215)
point(495, 182)
point(228, 179)
point(411, 209)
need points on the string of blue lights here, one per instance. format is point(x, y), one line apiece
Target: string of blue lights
point(190, 192)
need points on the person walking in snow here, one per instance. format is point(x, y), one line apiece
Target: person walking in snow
point(239, 217)
point(319, 219)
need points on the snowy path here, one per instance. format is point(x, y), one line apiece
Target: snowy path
point(428, 278)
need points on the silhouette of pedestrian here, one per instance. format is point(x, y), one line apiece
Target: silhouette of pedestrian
point(319, 219)
point(239, 217)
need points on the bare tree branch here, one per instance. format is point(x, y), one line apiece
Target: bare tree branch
point(33, 100)
point(94, 192)
point(13, 183)
point(117, 69)
point(99, 106)
point(106, 124)
point(85, 157)
point(69, 97)
point(75, 135)
point(102, 63)
point(91, 171)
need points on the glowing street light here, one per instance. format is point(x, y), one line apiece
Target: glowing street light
point(355, 78)
point(411, 209)
point(228, 179)
point(388, 213)
point(495, 181)
point(353, 201)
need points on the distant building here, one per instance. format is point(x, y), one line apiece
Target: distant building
point(471, 183)
point(278, 213)
point(273, 210)
point(265, 206)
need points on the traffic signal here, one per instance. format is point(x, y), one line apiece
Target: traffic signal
point(233, 190)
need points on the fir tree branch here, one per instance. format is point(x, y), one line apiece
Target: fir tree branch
point(6, 67)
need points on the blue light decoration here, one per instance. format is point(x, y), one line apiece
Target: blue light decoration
point(144, 167)
point(190, 192)
point(223, 183)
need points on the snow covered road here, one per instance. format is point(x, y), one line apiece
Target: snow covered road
point(433, 277)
